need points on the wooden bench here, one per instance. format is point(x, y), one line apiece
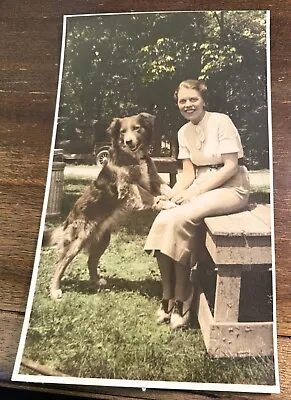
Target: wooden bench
point(167, 165)
point(236, 243)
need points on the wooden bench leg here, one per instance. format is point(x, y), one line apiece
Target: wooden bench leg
point(173, 179)
point(228, 283)
point(223, 335)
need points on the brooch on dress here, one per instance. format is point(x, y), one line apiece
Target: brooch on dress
point(200, 137)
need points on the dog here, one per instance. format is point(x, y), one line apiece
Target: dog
point(128, 181)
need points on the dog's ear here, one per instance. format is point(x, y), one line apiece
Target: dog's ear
point(147, 118)
point(114, 127)
point(147, 121)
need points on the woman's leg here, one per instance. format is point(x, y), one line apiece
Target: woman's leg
point(183, 287)
point(166, 266)
point(183, 279)
point(175, 233)
point(221, 201)
point(216, 202)
point(167, 270)
point(180, 316)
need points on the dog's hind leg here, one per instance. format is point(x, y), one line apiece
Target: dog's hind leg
point(72, 250)
point(96, 250)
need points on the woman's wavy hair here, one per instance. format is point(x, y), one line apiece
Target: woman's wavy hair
point(195, 84)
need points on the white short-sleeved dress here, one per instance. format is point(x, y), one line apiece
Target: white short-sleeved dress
point(173, 231)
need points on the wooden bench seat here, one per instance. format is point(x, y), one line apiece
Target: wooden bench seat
point(236, 243)
point(167, 165)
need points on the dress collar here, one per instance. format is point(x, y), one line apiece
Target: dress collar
point(202, 120)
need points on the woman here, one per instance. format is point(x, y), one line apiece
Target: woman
point(213, 182)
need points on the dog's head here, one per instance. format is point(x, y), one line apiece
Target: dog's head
point(132, 134)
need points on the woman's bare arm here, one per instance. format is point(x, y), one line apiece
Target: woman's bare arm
point(228, 170)
point(185, 179)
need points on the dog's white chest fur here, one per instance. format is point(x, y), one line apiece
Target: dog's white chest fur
point(145, 178)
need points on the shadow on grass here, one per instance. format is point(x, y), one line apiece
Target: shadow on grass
point(148, 287)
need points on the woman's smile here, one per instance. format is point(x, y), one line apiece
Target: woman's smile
point(189, 110)
point(191, 105)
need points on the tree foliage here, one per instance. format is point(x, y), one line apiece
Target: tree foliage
point(116, 65)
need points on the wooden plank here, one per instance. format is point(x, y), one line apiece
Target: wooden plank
point(89, 392)
point(204, 315)
point(227, 294)
point(283, 311)
point(111, 393)
point(20, 209)
point(263, 212)
point(39, 145)
point(284, 357)
point(239, 250)
point(249, 224)
point(220, 226)
point(14, 285)
point(241, 339)
point(242, 223)
point(237, 339)
point(10, 329)
point(166, 164)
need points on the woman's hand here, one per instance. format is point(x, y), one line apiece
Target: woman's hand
point(166, 191)
point(162, 202)
point(180, 197)
point(185, 195)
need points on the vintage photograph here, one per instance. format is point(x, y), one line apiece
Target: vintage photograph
point(154, 265)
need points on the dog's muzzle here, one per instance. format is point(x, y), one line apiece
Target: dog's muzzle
point(132, 145)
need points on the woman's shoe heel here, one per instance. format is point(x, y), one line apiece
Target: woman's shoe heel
point(180, 316)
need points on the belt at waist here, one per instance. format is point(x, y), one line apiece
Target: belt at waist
point(217, 166)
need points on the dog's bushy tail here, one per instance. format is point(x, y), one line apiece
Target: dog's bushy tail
point(52, 237)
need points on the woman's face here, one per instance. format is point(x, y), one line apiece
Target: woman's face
point(191, 104)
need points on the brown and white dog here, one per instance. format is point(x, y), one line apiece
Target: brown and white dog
point(128, 181)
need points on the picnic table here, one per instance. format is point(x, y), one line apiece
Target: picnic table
point(236, 243)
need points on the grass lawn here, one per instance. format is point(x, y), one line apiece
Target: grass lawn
point(113, 334)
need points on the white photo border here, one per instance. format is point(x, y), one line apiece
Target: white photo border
point(143, 385)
